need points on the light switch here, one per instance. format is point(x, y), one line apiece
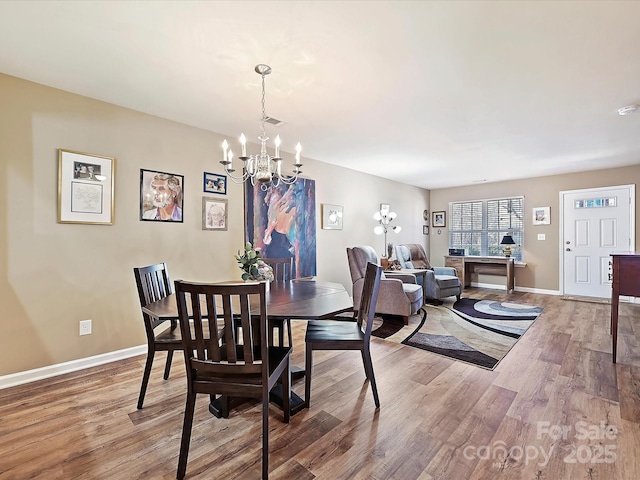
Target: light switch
point(542, 236)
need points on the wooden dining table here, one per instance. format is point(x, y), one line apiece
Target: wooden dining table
point(301, 299)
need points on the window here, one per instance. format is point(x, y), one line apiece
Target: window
point(478, 226)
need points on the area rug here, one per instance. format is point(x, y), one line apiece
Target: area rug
point(480, 332)
point(385, 326)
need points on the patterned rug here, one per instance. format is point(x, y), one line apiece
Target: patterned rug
point(480, 332)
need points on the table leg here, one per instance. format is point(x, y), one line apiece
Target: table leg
point(218, 408)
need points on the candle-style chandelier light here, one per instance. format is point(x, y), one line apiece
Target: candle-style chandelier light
point(261, 168)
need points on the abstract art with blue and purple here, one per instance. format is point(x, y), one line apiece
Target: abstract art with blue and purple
point(281, 222)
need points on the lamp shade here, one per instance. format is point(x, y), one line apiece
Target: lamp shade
point(507, 240)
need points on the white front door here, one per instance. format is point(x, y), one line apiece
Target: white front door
point(595, 223)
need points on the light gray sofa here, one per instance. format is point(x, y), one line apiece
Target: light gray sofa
point(440, 282)
point(401, 295)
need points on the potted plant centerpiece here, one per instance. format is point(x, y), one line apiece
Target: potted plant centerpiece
point(252, 265)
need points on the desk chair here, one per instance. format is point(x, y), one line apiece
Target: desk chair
point(154, 284)
point(221, 361)
point(347, 335)
point(282, 268)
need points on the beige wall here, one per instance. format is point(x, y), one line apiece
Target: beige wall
point(542, 257)
point(54, 275)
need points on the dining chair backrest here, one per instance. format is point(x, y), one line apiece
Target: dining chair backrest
point(232, 344)
point(153, 284)
point(282, 272)
point(282, 268)
point(367, 311)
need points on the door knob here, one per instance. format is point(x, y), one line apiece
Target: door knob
point(568, 249)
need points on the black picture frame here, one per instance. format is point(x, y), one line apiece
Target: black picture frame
point(214, 183)
point(439, 219)
point(157, 187)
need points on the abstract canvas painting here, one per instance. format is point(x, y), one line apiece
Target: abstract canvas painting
point(281, 222)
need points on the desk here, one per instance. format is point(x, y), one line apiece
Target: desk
point(298, 299)
point(468, 265)
point(625, 281)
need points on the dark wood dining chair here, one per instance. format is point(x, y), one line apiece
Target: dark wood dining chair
point(347, 334)
point(154, 284)
point(282, 269)
point(236, 359)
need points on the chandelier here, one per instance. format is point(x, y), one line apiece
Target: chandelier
point(261, 168)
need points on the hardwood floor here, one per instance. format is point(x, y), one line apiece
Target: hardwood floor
point(555, 408)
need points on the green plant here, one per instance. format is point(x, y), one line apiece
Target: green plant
point(252, 265)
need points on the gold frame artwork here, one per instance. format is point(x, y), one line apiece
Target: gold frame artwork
point(86, 188)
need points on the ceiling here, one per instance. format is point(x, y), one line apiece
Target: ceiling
point(433, 94)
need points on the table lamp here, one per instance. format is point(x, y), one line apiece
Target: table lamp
point(507, 240)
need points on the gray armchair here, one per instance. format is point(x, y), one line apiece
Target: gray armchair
point(401, 295)
point(440, 282)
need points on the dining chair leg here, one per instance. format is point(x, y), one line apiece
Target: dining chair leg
point(364, 362)
point(286, 392)
point(308, 364)
point(368, 367)
point(265, 436)
point(281, 333)
point(145, 377)
point(167, 366)
point(288, 321)
point(186, 435)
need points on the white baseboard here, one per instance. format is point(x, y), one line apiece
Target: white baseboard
point(495, 286)
point(21, 378)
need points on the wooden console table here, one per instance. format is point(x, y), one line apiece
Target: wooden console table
point(625, 281)
point(470, 264)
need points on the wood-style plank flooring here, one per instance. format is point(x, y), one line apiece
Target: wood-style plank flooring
point(555, 408)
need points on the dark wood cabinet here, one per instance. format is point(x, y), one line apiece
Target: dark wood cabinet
point(625, 281)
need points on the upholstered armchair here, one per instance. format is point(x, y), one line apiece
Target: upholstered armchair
point(440, 282)
point(401, 295)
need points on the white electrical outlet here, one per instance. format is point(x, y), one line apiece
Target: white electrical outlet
point(85, 327)
point(542, 236)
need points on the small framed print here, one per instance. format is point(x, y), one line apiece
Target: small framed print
point(542, 215)
point(384, 208)
point(331, 217)
point(214, 183)
point(161, 198)
point(214, 213)
point(425, 229)
point(85, 188)
point(439, 219)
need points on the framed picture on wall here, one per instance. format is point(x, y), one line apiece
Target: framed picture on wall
point(542, 215)
point(214, 183)
point(85, 188)
point(439, 219)
point(161, 198)
point(331, 217)
point(214, 213)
